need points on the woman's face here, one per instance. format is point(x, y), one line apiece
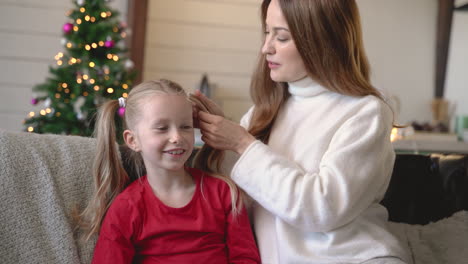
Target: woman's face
point(283, 59)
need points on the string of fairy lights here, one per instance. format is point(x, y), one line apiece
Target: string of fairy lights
point(86, 65)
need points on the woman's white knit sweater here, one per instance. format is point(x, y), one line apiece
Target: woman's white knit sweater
point(318, 182)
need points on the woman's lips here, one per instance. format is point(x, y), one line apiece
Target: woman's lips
point(273, 65)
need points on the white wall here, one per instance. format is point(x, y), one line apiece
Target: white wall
point(400, 39)
point(456, 85)
point(30, 35)
point(186, 38)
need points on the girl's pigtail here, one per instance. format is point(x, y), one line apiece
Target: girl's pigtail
point(110, 177)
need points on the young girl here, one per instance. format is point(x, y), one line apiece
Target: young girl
point(173, 214)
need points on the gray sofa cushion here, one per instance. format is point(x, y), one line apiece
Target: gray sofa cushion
point(43, 177)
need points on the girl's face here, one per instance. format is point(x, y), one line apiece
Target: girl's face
point(164, 134)
point(283, 59)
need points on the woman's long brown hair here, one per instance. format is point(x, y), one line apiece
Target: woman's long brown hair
point(328, 36)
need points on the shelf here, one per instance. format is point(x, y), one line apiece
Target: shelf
point(425, 143)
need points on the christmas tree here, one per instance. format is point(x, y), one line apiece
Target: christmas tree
point(92, 69)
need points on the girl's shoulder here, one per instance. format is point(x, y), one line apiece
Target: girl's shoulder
point(207, 179)
point(133, 193)
point(211, 186)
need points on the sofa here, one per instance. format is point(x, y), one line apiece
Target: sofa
point(45, 177)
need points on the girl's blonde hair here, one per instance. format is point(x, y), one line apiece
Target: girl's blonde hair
point(328, 37)
point(110, 176)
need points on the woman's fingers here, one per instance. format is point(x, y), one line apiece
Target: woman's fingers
point(209, 118)
point(207, 103)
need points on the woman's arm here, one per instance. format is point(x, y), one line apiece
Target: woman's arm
point(352, 174)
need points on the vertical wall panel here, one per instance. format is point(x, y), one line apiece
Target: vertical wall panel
point(188, 38)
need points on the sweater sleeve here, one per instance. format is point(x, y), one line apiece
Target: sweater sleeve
point(242, 248)
point(354, 173)
point(114, 244)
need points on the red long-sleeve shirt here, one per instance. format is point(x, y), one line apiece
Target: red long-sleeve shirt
point(139, 228)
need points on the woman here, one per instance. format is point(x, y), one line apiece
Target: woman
point(314, 151)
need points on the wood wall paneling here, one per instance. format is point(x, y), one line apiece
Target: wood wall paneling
point(30, 36)
point(186, 39)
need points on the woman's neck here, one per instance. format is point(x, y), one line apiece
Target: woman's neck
point(305, 87)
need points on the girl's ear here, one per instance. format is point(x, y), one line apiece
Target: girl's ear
point(131, 140)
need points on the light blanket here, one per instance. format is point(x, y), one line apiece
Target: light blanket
point(441, 242)
point(42, 177)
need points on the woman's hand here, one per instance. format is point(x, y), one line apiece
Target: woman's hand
point(203, 103)
point(220, 133)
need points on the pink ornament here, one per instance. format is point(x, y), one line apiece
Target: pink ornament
point(121, 111)
point(34, 101)
point(67, 28)
point(109, 44)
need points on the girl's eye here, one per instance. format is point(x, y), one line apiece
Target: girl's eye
point(187, 127)
point(161, 128)
point(266, 32)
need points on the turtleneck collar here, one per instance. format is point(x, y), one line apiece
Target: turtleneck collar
point(305, 87)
